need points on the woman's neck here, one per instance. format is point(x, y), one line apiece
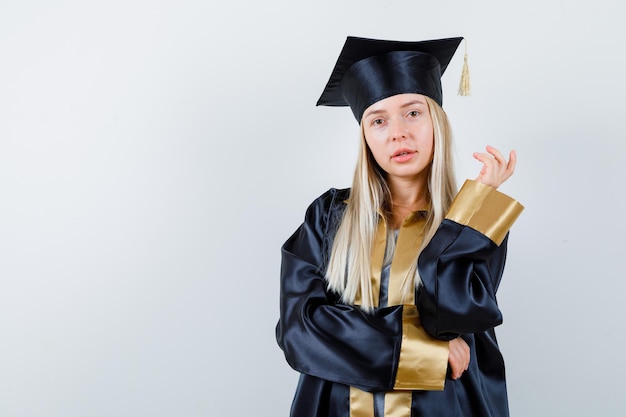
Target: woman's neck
point(407, 198)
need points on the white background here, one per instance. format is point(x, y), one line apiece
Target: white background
point(154, 156)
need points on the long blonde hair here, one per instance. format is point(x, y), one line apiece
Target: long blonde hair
point(348, 271)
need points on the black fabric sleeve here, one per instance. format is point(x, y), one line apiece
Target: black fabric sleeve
point(320, 336)
point(460, 271)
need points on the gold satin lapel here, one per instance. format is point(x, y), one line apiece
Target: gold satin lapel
point(409, 241)
point(398, 403)
point(423, 359)
point(361, 403)
point(376, 263)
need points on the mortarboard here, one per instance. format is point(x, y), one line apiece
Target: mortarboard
point(369, 70)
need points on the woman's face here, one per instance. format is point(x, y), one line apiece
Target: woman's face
point(399, 132)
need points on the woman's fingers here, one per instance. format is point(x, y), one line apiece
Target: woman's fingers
point(496, 154)
point(512, 162)
point(496, 169)
point(458, 357)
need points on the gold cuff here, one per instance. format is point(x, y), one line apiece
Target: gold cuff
point(484, 209)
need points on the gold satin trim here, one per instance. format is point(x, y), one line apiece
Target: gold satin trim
point(423, 359)
point(398, 403)
point(361, 403)
point(485, 209)
point(409, 241)
point(376, 264)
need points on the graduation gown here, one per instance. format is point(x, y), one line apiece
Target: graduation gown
point(392, 362)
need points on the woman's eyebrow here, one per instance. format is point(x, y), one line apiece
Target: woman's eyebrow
point(407, 104)
point(372, 112)
point(413, 102)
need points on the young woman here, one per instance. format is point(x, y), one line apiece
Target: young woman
point(388, 289)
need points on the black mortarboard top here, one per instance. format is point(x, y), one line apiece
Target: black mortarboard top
point(369, 70)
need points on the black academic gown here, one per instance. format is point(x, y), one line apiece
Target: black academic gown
point(339, 349)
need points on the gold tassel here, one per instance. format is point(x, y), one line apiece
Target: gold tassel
point(464, 85)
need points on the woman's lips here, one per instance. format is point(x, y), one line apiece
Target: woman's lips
point(403, 155)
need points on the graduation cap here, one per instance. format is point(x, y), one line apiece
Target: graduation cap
point(369, 70)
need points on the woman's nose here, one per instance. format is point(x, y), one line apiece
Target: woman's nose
point(398, 130)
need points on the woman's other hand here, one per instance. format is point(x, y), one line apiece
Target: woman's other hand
point(496, 169)
point(458, 357)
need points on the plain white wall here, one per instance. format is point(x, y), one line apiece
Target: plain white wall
point(154, 155)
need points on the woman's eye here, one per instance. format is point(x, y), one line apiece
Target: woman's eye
point(377, 121)
point(413, 113)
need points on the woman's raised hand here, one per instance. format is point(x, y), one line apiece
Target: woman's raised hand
point(496, 169)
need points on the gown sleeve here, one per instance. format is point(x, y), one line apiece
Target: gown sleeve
point(462, 265)
point(322, 337)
